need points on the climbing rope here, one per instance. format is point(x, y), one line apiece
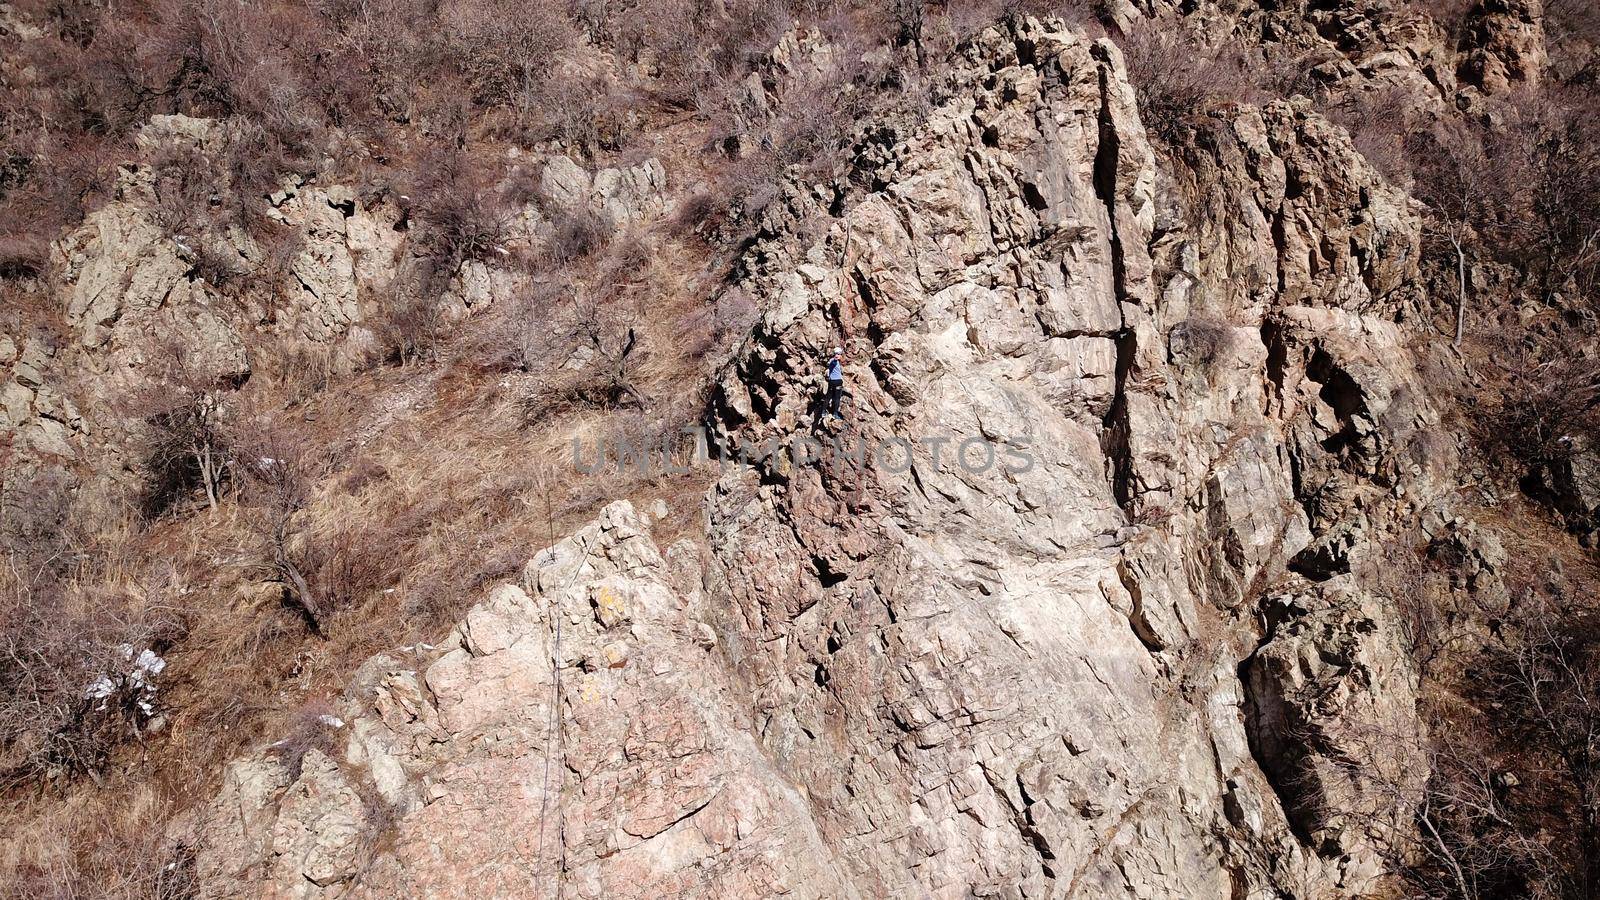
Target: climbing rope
point(555, 736)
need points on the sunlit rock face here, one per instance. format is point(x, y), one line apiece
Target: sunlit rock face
point(1099, 633)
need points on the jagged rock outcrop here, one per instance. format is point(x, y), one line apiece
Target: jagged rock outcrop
point(1033, 671)
point(619, 197)
point(449, 774)
point(1366, 53)
point(151, 284)
point(1372, 57)
point(1329, 709)
point(143, 296)
point(125, 264)
point(32, 411)
point(1074, 607)
point(1504, 45)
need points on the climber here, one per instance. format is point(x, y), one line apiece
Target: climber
point(835, 381)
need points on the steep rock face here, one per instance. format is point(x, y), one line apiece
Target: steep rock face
point(1072, 609)
point(1026, 678)
point(1321, 710)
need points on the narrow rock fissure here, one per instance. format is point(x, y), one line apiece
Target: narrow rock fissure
point(1115, 435)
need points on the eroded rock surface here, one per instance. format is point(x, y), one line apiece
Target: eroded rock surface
point(449, 775)
point(1130, 655)
point(151, 285)
point(1031, 673)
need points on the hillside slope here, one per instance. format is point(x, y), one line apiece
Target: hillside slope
point(423, 484)
point(1130, 656)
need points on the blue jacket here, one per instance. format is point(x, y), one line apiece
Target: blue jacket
point(835, 371)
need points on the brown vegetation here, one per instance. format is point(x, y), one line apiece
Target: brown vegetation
point(183, 441)
point(1179, 78)
point(1508, 807)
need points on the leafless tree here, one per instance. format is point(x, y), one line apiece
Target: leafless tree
point(280, 474)
point(1453, 181)
point(909, 16)
point(1447, 828)
point(1561, 143)
point(1547, 684)
point(1511, 802)
point(182, 408)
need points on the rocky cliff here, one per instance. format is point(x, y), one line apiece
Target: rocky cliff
point(1071, 602)
point(156, 298)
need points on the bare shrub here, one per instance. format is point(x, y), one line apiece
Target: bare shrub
point(606, 380)
point(691, 43)
point(460, 214)
point(736, 315)
point(1450, 14)
point(1572, 31)
point(694, 214)
point(1525, 194)
point(812, 121)
point(412, 327)
point(1378, 124)
point(576, 234)
point(1203, 339)
point(292, 369)
point(909, 17)
point(1432, 596)
point(53, 179)
point(1561, 238)
point(183, 444)
point(114, 845)
point(78, 669)
point(390, 46)
point(1179, 79)
point(313, 726)
point(505, 49)
point(517, 336)
point(363, 472)
point(585, 112)
point(280, 473)
point(35, 510)
point(249, 163)
point(1463, 837)
point(1546, 412)
point(350, 562)
point(1456, 179)
point(183, 183)
point(23, 254)
point(236, 56)
point(1509, 807)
